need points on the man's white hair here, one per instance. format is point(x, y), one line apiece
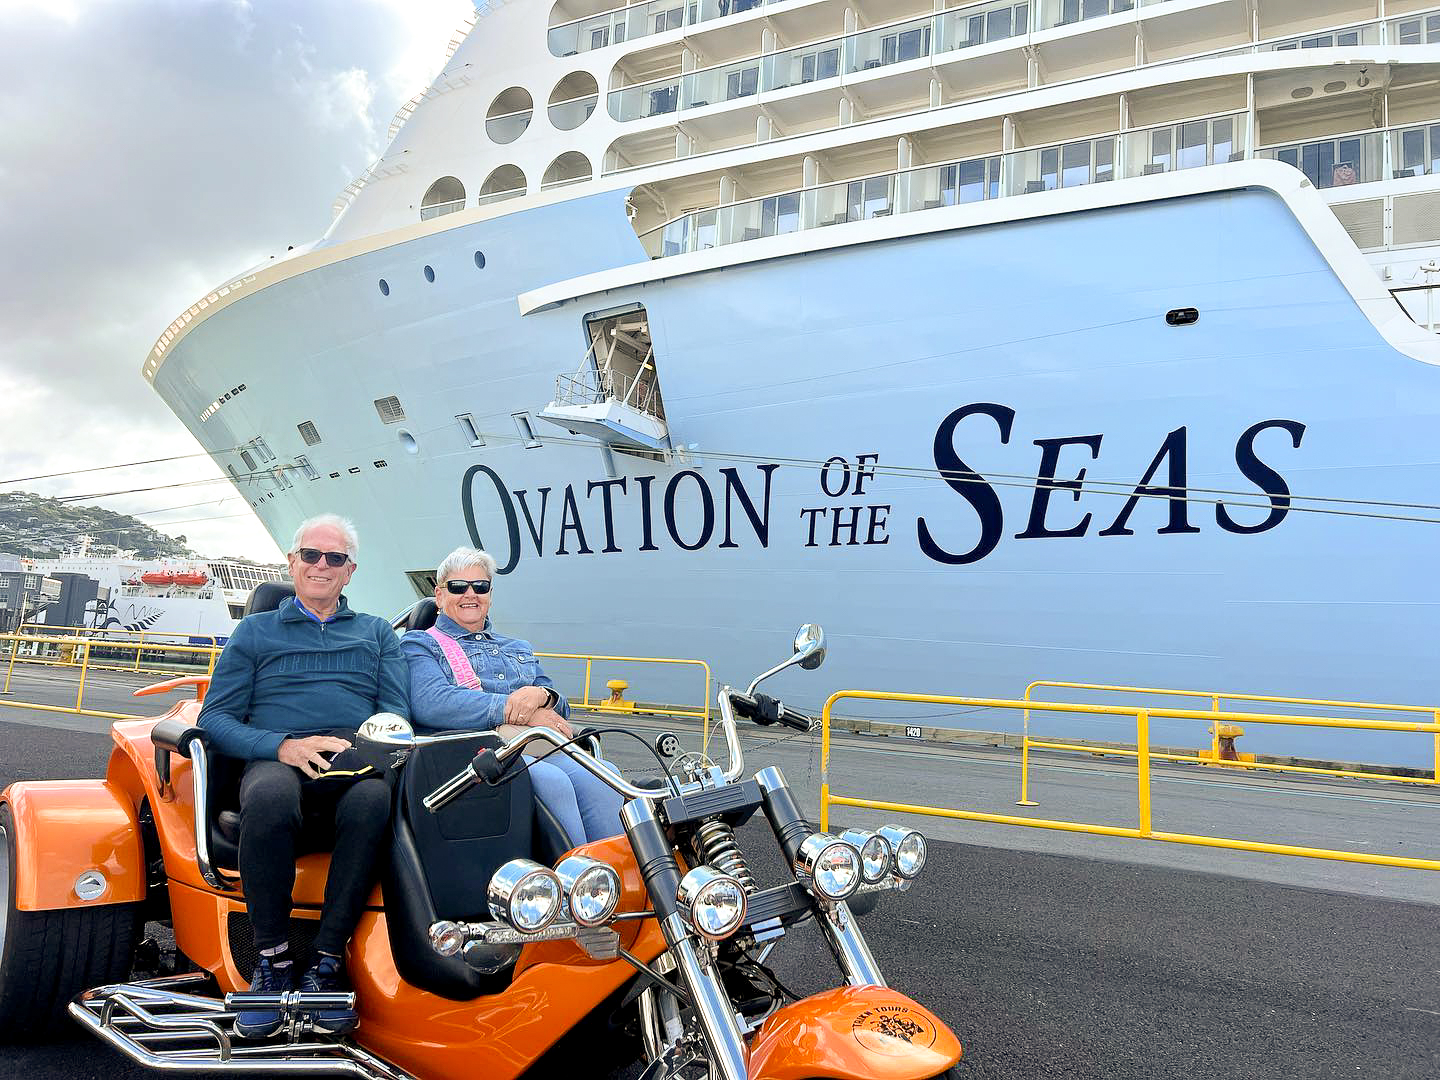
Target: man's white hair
point(460, 558)
point(335, 521)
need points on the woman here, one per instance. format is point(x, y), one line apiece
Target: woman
point(466, 677)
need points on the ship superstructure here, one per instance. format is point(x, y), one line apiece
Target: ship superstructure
point(1071, 339)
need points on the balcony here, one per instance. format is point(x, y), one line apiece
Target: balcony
point(1190, 144)
point(636, 21)
point(1363, 157)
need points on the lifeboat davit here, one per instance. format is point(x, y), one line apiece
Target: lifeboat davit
point(158, 578)
point(191, 580)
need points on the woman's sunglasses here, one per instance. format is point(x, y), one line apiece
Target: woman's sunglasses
point(311, 556)
point(458, 587)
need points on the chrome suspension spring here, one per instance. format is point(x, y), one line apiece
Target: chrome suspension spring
point(720, 849)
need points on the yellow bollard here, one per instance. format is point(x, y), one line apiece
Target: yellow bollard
point(1142, 742)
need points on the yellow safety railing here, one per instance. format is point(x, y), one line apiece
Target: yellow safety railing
point(82, 647)
point(699, 712)
point(1141, 716)
point(1215, 715)
point(134, 635)
point(101, 652)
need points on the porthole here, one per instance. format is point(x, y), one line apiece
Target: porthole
point(384, 287)
point(573, 100)
point(506, 182)
point(444, 196)
point(570, 167)
point(479, 260)
point(509, 115)
point(430, 274)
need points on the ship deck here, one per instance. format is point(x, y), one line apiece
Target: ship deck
point(1059, 955)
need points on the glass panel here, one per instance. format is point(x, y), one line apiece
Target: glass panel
point(1159, 151)
point(1435, 150)
point(1409, 32)
point(998, 24)
point(1222, 134)
point(1194, 138)
point(1349, 37)
point(1074, 164)
point(787, 213)
point(1050, 167)
point(1412, 149)
point(971, 181)
point(1346, 170)
point(1104, 160)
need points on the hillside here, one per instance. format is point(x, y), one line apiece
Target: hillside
point(38, 527)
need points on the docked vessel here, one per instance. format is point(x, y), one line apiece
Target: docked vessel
point(195, 600)
point(1079, 339)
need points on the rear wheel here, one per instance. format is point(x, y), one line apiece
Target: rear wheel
point(48, 957)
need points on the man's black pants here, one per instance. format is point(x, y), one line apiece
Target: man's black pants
point(282, 817)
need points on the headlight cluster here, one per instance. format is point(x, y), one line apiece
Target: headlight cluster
point(712, 902)
point(834, 867)
point(530, 897)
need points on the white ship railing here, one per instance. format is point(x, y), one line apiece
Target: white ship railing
point(1169, 147)
point(591, 386)
point(634, 21)
point(440, 209)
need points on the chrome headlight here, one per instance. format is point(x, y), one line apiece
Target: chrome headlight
point(907, 849)
point(525, 894)
point(874, 854)
point(828, 866)
point(592, 888)
point(712, 902)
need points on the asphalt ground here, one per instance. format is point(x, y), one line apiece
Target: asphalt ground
point(1053, 965)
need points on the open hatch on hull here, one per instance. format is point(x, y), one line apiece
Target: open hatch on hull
point(614, 396)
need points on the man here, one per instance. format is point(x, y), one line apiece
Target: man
point(289, 686)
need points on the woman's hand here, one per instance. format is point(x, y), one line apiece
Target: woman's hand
point(553, 720)
point(523, 703)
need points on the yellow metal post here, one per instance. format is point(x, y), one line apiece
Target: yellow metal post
point(587, 682)
point(214, 656)
point(1025, 799)
point(138, 649)
point(825, 766)
point(1142, 742)
point(1215, 727)
point(1437, 744)
point(84, 668)
point(15, 650)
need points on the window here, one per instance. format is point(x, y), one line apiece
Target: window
point(742, 83)
point(444, 196)
point(422, 581)
point(248, 460)
point(389, 410)
point(309, 432)
point(506, 182)
point(469, 430)
point(509, 115)
point(527, 431)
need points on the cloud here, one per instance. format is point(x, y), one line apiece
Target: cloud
point(153, 149)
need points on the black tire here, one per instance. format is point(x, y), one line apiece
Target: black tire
point(48, 957)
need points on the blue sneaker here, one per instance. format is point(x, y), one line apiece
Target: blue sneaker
point(328, 977)
point(269, 978)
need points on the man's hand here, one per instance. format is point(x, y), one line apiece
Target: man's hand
point(553, 720)
point(523, 702)
point(305, 754)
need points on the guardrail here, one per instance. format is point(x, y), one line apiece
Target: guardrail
point(1142, 717)
point(181, 637)
point(82, 648)
point(1215, 715)
point(699, 712)
point(99, 651)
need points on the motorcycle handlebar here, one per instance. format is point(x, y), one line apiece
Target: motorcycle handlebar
point(766, 710)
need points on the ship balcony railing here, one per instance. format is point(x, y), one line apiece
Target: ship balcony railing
point(1052, 13)
point(440, 209)
point(596, 386)
point(570, 114)
point(507, 127)
point(489, 197)
point(1363, 157)
point(1421, 303)
point(1144, 152)
point(634, 21)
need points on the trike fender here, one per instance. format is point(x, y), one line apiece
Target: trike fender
point(66, 830)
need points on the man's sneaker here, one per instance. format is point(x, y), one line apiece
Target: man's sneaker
point(328, 977)
point(269, 978)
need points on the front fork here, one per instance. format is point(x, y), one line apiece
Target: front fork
point(711, 1003)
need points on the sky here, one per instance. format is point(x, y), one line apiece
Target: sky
point(149, 151)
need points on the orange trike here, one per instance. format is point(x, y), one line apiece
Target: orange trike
point(490, 946)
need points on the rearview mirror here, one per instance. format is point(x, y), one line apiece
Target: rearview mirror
point(810, 646)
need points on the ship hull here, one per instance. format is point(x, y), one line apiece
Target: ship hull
point(978, 456)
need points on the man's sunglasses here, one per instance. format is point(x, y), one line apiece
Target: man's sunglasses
point(311, 556)
point(458, 587)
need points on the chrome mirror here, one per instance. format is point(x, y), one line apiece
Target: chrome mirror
point(390, 731)
point(810, 646)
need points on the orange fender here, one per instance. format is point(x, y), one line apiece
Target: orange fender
point(853, 1033)
point(64, 828)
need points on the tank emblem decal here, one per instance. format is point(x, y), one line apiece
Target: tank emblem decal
point(893, 1030)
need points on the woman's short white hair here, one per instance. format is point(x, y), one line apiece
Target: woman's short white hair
point(335, 521)
point(462, 557)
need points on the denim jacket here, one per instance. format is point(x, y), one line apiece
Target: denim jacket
point(504, 664)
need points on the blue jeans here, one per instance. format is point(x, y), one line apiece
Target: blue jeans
point(586, 807)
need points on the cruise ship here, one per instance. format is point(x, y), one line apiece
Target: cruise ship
point(1089, 340)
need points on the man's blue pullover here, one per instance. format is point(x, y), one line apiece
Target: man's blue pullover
point(285, 672)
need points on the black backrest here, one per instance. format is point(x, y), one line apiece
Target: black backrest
point(268, 595)
point(420, 617)
point(440, 864)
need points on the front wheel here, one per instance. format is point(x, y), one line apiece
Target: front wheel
point(48, 957)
